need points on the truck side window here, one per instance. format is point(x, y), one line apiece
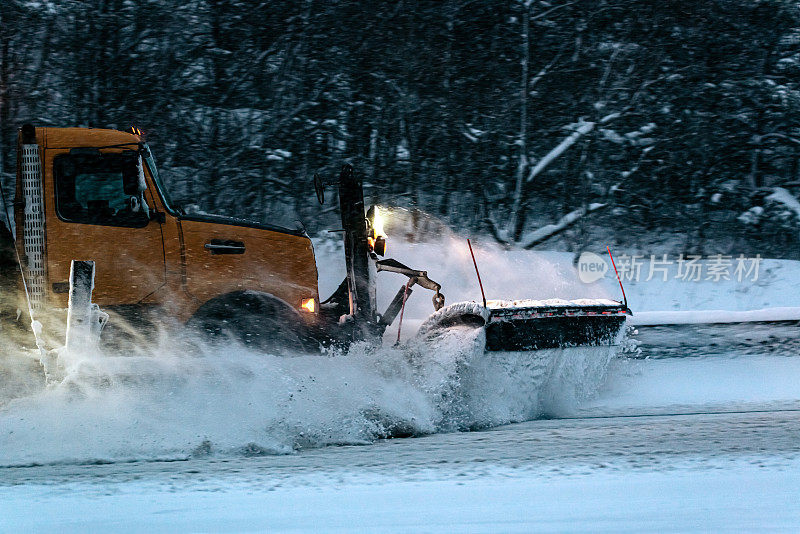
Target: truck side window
point(102, 189)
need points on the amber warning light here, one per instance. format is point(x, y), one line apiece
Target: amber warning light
point(308, 305)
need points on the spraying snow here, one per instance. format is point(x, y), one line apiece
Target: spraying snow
point(179, 401)
point(172, 398)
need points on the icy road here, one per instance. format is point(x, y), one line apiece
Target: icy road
point(704, 442)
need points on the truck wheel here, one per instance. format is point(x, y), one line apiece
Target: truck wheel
point(252, 321)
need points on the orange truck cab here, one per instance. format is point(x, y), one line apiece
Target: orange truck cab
point(98, 196)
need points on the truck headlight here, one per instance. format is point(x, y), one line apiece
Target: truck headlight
point(377, 235)
point(377, 222)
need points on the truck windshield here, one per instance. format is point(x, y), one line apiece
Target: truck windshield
point(150, 161)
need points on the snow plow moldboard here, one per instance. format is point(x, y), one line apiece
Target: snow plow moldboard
point(537, 324)
point(549, 324)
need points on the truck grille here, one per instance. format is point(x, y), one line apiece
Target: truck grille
point(33, 229)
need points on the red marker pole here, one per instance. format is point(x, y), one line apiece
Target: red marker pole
point(477, 272)
point(624, 298)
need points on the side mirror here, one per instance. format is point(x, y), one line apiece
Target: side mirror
point(380, 246)
point(319, 188)
point(133, 175)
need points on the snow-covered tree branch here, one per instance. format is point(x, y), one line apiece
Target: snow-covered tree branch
point(540, 235)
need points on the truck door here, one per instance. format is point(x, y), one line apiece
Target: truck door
point(96, 209)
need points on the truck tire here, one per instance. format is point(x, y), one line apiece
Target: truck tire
point(253, 320)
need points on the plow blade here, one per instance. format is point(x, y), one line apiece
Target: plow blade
point(534, 325)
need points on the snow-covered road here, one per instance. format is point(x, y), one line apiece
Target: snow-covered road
point(667, 473)
point(700, 443)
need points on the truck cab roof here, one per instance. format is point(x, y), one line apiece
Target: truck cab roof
point(49, 137)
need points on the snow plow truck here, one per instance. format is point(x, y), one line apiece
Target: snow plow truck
point(96, 194)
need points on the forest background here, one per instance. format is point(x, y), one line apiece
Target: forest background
point(660, 125)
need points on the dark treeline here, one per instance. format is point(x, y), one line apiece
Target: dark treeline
point(639, 120)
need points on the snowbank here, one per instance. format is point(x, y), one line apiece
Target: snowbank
point(652, 318)
point(772, 296)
